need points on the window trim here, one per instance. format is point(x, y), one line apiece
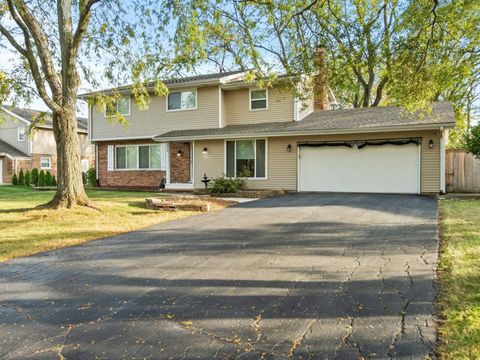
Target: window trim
point(116, 107)
point(138, 168)
point(250, 99)
point(49, 163)
point(18, 134)
point(255, 151)
point(195, 90)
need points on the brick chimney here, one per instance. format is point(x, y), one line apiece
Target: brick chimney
point(320, 92)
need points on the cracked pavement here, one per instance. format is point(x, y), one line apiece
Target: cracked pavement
point(304, 276)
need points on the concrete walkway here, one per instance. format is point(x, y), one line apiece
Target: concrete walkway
point(306, 276)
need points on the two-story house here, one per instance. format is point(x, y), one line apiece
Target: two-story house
point(219, 124)
point(19, 151)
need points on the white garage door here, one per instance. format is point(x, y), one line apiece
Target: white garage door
point(372, 169)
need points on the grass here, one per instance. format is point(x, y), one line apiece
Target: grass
point(25, 230)
point(459, 267)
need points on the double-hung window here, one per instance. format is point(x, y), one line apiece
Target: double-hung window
point(182, 100)
point(246, 158)
point(45, 162)
point(258, 99)
point(139, 157)
point(121, 106)
point(21, 134)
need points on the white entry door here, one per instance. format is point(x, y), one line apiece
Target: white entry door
point(372, 169)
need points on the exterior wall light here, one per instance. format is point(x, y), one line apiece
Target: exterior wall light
point(430, 144)
point(289, 148)
point(179, 153)
point(205, 151)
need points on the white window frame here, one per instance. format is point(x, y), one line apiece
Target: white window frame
point(138, 168)
point(49, 162)
point(116, 107)
point(255, 152)
point(21, 132)
point(250, 99)
point(182, 91)
point(85, 161)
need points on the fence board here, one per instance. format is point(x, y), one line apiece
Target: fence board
point(462, 172)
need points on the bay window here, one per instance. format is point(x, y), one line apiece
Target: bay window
point(246, 158)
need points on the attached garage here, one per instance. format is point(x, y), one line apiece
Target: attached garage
point(385, 166)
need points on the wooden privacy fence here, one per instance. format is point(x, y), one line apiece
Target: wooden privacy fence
point(462, 172)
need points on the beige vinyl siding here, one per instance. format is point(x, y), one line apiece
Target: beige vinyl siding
point(305, 107)
point(282, 165)
point(224, 109)
point(9, 132)
point(211, 164)
point(157, 120)
point(280, 107)
point(44, 143)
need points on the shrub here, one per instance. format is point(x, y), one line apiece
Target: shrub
point(14, 179)
point(91, 176)
point(21, 178)
point(41, 178)
point(227, 185)
point(54, 181)
point(472, 141)
point(27, 178)
point(34, 177)
point(84, 178)
point(48, 179)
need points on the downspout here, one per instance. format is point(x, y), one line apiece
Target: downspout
point(442, 160)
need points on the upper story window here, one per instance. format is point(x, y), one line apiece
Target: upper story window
point(258, 99)
point(21, 134)
point(122, 107)
point(182, 100)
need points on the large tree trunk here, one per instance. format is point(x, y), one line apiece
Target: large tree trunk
point(70, 191)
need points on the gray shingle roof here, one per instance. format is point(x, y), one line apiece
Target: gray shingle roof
point(207, 78)
point(31, 115)
point(10, 150)
point(331, 121)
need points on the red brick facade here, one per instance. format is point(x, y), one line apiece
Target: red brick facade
point(143, 179)
point(126, 178)
point(180, 164)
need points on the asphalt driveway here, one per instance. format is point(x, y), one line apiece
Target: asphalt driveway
point(302, 276)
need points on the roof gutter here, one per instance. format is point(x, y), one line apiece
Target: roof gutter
point(159, 138)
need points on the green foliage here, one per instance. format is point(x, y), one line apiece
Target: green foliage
point(14, 179)
point(91, 176)
point(227, 185)
point(21, 178)
point(54, 181)
point(472, 141)
point(27, 178)
point(34, 177)
point(48, 179)
point(41, 178)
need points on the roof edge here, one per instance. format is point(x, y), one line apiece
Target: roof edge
point(160, 138)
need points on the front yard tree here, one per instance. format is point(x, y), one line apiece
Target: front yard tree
point(58, 43)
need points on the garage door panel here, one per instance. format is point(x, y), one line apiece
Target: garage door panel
point(381, 169)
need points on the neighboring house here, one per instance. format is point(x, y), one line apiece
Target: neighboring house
point(20, 151)
point(219, 124)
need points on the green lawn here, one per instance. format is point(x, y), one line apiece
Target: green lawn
point(25, 230)
point(459, 267)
